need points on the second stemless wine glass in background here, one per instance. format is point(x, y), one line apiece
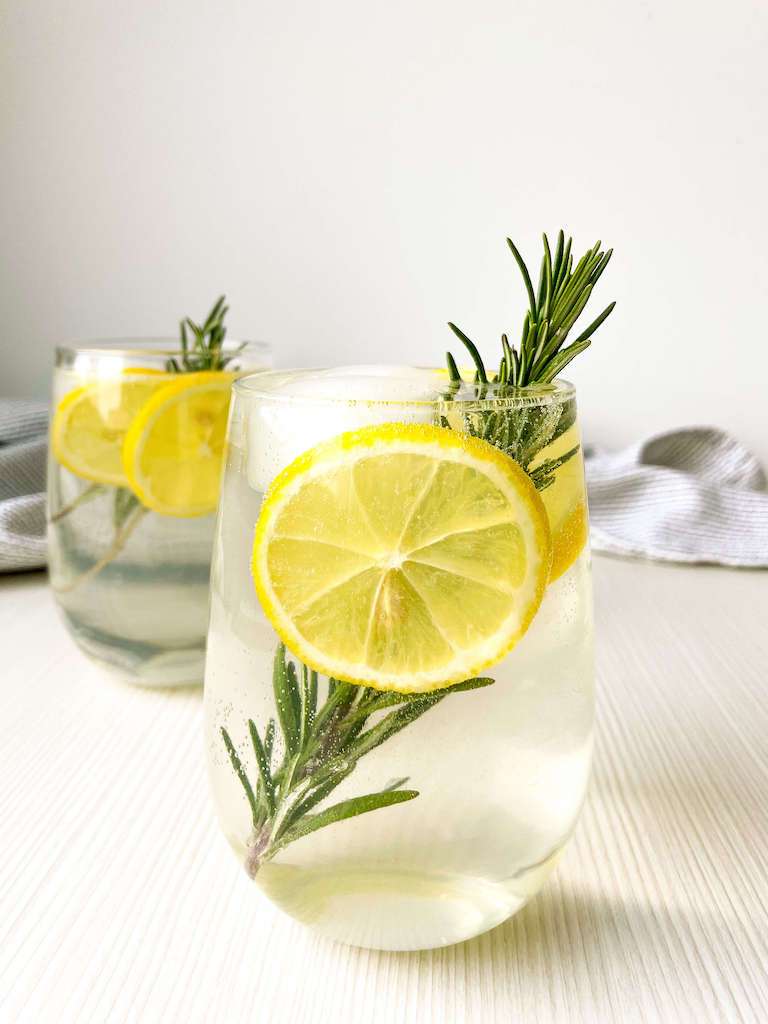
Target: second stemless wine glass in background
point(137, 437)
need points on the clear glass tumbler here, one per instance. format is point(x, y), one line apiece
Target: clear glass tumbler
point(135, 454)
point(399, 680)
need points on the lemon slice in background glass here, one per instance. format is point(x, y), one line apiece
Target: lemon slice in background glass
point(91, 421)
point(401, 556)
point(173, 450)
point(566, 503)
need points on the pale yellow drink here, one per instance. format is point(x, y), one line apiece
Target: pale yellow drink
point(500, 770)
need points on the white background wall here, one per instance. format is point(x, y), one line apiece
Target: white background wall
point(347, 172)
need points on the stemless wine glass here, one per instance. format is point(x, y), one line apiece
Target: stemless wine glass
point(399, 680)
point(133, 477)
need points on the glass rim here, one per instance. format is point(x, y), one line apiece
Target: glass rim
point(255, 385)
point(152, 345)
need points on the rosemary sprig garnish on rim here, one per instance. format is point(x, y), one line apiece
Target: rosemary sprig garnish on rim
point(205, 349)
point(521, 431)
point(321, 746)
point(563, 292)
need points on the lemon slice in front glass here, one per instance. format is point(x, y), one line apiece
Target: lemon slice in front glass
point(91, 421)
point(174, 448)
point(402, 557)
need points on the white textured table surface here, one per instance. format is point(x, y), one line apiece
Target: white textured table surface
point(119, 900)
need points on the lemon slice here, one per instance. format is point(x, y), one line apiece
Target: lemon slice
point(566, 503)
point(91, 421)
point(173, 450)
point(401, 556)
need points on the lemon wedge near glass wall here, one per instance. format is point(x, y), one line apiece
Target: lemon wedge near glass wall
point(401, 556)
point(173, 450)
point(566, 503)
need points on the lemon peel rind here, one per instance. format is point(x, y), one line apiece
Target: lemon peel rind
point(419, 437)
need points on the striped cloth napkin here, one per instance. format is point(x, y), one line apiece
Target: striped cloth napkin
point(23, 428)
point(691, 495)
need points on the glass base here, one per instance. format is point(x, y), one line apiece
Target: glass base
point(141, 664)
point(399, 910)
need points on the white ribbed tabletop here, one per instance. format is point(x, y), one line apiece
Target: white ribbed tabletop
point(120, 901)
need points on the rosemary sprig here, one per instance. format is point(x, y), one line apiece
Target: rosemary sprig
point(321, 746)
point(130, 519)
point(521, 431)
point(88, 494)
point(554, 308)
point(204, 350)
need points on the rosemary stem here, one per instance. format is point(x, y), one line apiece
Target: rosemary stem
point(118, 543)
point(90, 492)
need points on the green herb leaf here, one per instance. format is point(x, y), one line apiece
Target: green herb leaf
point(472, 349)
point(347, 809)
point(267, 785)
point(204, 351)
point(88, 494)
point(237, 764)
point(269, 739)
point(544, 474)
point(125, 503)
point(526, 276)
point(287, 699)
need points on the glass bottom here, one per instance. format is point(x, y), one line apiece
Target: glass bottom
point(399, 910)
point(140, 664)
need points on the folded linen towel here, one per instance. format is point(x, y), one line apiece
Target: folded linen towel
point(689, 495)
point(23, 427)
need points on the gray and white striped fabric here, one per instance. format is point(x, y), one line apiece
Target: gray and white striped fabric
point(23, 427)
point(689, 495)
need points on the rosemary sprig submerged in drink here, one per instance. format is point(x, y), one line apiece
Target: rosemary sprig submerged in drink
point(321, 745)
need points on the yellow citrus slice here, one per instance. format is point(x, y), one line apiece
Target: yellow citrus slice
point(173, 451)
point(403, 557)
point(566, 503)
point(91, 421)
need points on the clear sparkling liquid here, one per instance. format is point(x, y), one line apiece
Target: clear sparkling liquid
point(501, 772)
point(143, 614)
